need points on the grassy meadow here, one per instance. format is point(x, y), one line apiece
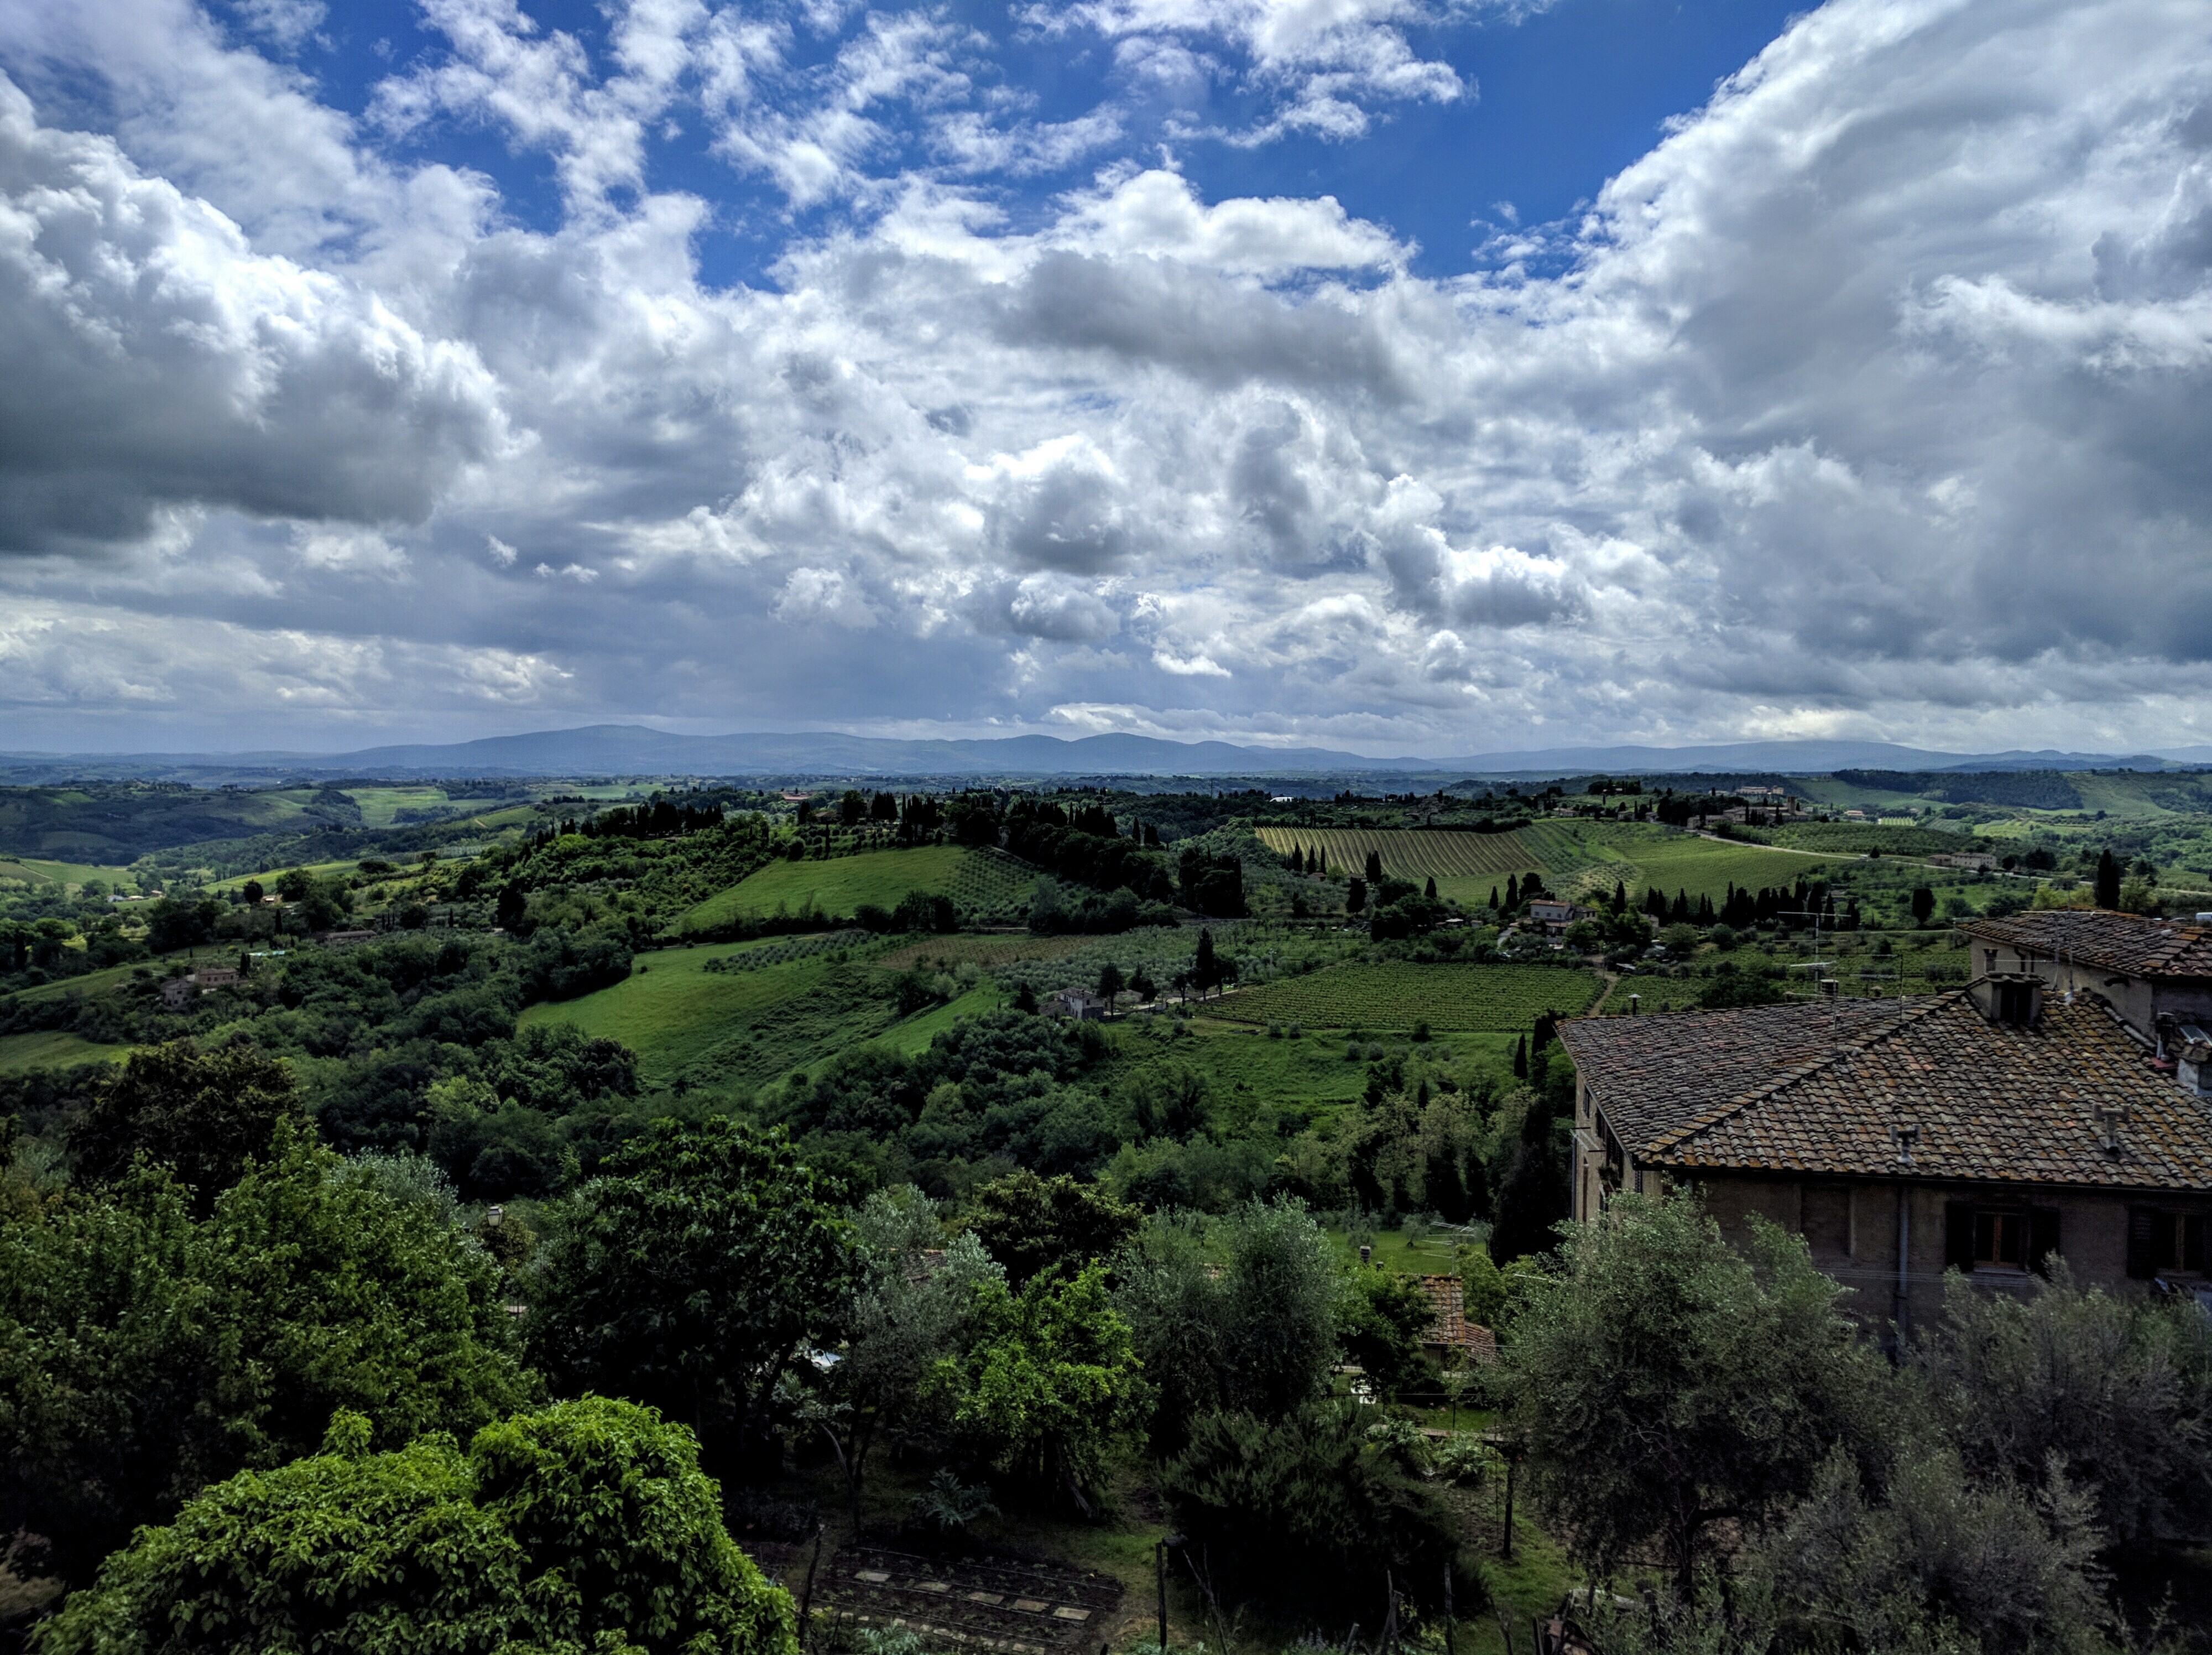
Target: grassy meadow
point(21, 1052)
point(981, 881)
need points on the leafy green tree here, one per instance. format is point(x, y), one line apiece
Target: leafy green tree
point(908, 1314)
point(1142, 986)
point(1661, 1381)
point(586, 1526)
point(203, 1113)
point(1043, 1226)
point(1317, 1513)
point(1239, 1315)
point(1384, 1318)
point(143, 1354)
point(1049, 1385)
point(1109, 984)
point(688, 1275)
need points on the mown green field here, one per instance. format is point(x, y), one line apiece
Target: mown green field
point(1395, 996)
point(380, 805)
point(975, 879)
point(1675, 861)
point(20, 1052)
point(674, 1009)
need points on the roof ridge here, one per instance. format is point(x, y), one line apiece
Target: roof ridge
point(1925, 1006)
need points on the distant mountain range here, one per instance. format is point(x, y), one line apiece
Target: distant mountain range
point(635, 750)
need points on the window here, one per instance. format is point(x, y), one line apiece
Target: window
point(1989, 962)
point(2160, 1241)
point(1997, 1239)
point(2000, 1241)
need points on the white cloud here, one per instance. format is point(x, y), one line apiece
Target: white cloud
point(1874, 398)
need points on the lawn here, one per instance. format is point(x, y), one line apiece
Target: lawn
point(48, 1050)
point(986, 881)
point(1395, 996)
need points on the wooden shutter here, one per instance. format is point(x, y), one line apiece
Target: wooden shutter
point(1959, 1236)
point(2042, 1237)
point(2142, 1243)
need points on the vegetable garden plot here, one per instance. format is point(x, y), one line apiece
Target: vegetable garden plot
point(1032, 1608)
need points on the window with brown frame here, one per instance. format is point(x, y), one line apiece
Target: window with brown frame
point(2161, 1241)
point(1998, 1237)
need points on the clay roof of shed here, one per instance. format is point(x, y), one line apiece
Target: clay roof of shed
point(1991, 1103)
point(2093, 936)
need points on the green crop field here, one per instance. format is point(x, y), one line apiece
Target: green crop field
point(979, 881)
point(1674, 860)
point(1858, 836)
point(20, 1052)
point(32, 872)
point(380, 805)
point(1396, 997)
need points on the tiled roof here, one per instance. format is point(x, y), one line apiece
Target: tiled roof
point(1450, 1326)
point(1990, 1102)
point(1654, 1072)
point(2117, 942)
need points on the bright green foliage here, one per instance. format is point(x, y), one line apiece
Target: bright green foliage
point(1384, 1317)
point(203, 1113)
point(688, 1276)
point(1317, 1512)
point(1050, 1384)
point(143, 1354)
point(1036, 1226)
point(1662, 1381)
point(588, 1526)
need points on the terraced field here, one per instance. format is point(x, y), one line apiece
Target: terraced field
point(1395, 996)
point(987, 884)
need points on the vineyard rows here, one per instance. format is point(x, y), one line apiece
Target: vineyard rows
point(1409, 854)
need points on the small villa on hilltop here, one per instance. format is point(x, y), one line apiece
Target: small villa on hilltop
point(2057, 1105)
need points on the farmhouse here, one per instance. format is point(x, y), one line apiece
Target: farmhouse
point(180, 991)
point(1555, 915)
point(1986, 1129)
point(1075, 1003)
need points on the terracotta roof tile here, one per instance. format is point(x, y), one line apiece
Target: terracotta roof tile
point(1990, 1102)
point(2094, 936)
point(1659, 1071)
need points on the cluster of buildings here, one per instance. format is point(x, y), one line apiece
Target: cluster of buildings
point(2059, 1104)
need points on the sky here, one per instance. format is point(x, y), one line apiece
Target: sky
point(1405, 376)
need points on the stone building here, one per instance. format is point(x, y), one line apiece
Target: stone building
point(1985, 1129)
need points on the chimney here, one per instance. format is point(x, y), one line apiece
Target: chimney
point(1907, 1132)
point(2108, 1118)
point(2011, 998)
point(2194, 1068)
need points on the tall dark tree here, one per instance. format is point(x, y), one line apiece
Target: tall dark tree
point(1430, 892)
point(1374, 867)
point(1923, 902)
point(1494, 898)
point(2108, 880)
point(1512, 894)
point(1619, 898)
point(1110, 983)
point(1355, 895)
point(203, 1113)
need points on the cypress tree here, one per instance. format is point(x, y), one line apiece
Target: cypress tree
point(1375, 868)
point(1431, 893)
point(2108, 880)
point(1619, 898)
point(1494, 898)
point(1512, 894)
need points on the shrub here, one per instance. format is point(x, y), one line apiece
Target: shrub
point(1311, 1514)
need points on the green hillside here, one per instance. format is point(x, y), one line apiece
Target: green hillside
point(1397, 995)
point(981, 882)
